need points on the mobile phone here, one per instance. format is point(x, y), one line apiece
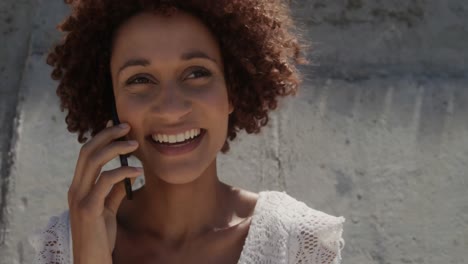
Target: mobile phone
point(123, 158)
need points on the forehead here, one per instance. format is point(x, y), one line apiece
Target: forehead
point(162, 37)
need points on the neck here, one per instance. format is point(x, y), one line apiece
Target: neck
point(181, 212)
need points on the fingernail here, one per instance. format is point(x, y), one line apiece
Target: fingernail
point(132, 142)
point(109, 123)
point(123, 125)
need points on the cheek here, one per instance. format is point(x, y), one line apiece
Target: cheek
point(131, 111)
point(215, 107)
point(215, 98)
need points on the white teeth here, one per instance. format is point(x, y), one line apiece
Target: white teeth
point(181, 137)
point(172, 139)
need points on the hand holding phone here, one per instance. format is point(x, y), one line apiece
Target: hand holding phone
point(94, 196)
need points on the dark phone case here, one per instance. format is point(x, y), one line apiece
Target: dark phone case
point(123, 158)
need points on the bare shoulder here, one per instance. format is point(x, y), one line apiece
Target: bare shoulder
point(244, 202)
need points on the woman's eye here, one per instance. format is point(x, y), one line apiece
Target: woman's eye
point(200, 73)
point(138, 80)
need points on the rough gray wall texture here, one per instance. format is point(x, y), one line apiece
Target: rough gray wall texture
point(378, 133)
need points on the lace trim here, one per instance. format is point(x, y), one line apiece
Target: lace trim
point(52, 243)
point(317, 237)
point(283, 230)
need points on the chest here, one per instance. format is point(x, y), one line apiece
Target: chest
point(224, 247)
point(159, 257)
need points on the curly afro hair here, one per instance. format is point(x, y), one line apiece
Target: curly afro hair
point(258, 42)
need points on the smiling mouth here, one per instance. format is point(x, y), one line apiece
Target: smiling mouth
point(178, 148)
point(176, 138)
point(179, 144)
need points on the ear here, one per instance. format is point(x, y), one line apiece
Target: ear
point(231, 107)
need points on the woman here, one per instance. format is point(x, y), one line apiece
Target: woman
point(186, 77)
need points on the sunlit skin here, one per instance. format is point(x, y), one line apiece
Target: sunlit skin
point(167, 74)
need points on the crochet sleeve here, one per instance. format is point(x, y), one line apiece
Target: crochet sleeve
point(316, 237)
point(52, 243)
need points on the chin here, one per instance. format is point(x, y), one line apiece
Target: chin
point(176, 178)
point(182, 173)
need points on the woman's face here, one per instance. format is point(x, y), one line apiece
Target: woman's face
point(168, 82)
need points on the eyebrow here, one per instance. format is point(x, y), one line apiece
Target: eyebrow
point(134, 62)
point(186, 56)
point(196, 54)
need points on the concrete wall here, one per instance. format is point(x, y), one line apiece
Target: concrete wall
point(378, 133)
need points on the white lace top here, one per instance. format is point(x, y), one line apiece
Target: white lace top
point(283, 230)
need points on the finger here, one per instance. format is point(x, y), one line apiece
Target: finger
point(107, 180)
point(102, 138)
point(100, 158)
point(109, 123)
point(116, 195)
point(106, 136)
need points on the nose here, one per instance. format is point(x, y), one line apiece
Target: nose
point(172, 105)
